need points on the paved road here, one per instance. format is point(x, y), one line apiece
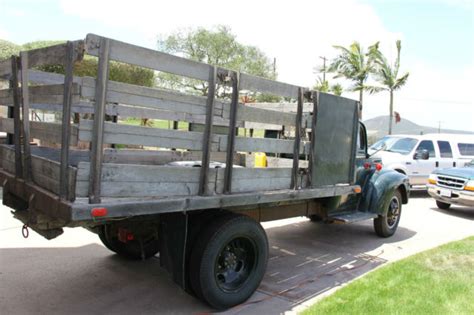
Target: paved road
point(75, 274)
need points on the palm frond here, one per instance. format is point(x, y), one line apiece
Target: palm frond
point(372, 89)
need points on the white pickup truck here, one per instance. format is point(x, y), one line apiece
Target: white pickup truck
point(419, 155)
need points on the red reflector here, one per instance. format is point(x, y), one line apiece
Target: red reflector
point(378, 166)
point(366, 165)
point(99, 212)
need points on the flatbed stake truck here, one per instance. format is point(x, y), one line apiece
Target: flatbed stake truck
point(129, 187)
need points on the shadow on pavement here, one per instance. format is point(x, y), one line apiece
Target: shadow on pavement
point(306, 259)
point(457, 211)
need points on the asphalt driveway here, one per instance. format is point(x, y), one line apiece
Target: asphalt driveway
point(75, 274)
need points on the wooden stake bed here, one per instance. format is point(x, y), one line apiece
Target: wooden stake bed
point(57, 178)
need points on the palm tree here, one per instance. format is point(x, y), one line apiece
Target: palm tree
point(355, 65)
point(386, 74)
point(337, 89)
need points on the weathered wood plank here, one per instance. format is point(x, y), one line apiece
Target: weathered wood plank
point(231, 136)
point(43, 94)
point(97, 136)
point(45, 172)
point(16, 117)
point(25, 104)
point(253, 83)
point(5, 68)
point(125, 180)
point(155, 157)
point(52, 55)
point(68, 87)
point(149, 58)
point(41, 130)
point(81, 211)
point(148, 136)
point(42, 77)
point(207, 134)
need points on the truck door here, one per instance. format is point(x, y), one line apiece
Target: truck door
point(445, 155)
point(422, 168)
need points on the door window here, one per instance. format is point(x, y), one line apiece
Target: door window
point(445, 149)
point(427, 145)
point(466, 148)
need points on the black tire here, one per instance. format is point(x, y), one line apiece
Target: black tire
point(228, 261)
point(315, 218)
point(443, 205)
point(385, 225)
point(131, 249)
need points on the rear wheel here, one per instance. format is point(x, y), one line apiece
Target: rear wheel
point(443, 205)
point(133, 245)
point(228, 261)
point(386, 225)
point(315, 218)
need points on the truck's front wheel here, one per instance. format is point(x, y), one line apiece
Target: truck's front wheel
point(385, 225)
point(228, 261)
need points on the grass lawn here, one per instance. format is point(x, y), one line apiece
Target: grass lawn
point(438, 281)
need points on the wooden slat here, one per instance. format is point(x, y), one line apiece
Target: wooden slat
point(125, 180)
point(45, 172)
point(207, 134)
point(148, 136)
point(231, 136)
point(130, 94)
point(253, 83)
point(16, 117)
point(164, 138)
point(81, 211)
point(52, 55)
point(50, 132)
point(44, 94)
point(66, 121)
point(24, 60)
point(297, 140)
point(42, 77)
point(5, 68)
point(314, 120)
point(149, 58)
point(97, 136)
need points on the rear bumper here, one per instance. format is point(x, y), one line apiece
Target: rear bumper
point(458, 197)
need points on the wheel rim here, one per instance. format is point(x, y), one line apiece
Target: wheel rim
point(235, 263)
point(393, 212)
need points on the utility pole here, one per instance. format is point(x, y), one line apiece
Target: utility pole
point(324, 67)
point(274, 67)
point(439, 126)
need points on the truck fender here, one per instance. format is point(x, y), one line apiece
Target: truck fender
point(380, 189)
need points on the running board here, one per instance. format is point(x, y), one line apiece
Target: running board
point(351, 217)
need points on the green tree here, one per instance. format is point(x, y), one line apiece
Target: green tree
point(217, 46)
point(355, 65)
point(7, 49)
point(387, 75)
point(323, 86)
point(337, 89)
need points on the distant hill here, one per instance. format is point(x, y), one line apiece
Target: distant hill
point(378, 127)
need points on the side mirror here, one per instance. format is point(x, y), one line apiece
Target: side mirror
point(422, 154)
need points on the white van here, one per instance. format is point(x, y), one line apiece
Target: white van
point(418, 156)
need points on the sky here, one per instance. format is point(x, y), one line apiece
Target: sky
point(437, 39)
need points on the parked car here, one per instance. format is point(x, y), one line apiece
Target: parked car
point(418, 156)
point(453, 186)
